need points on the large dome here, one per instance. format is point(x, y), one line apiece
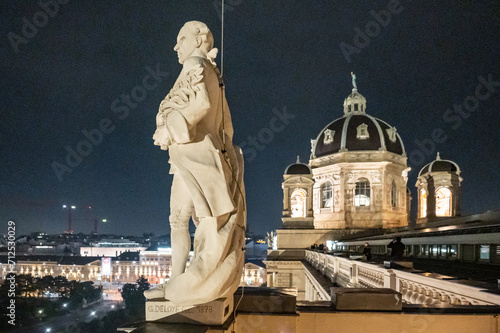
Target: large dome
point(357, 131)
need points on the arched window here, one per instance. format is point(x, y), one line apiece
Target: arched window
point(298, 203)
point(362, 192)
point(423, 203)
point(394, 195)
point(326, 195)
point(443, 202)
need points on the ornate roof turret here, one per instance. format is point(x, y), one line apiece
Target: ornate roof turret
point(298, 168)
point(440, 165)
point(355, 103)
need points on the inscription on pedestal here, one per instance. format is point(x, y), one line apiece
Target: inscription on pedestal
point(212, 313)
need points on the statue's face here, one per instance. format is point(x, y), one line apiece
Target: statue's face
point(187, 42)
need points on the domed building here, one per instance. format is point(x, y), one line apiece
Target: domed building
point(438, 187)
point(358, 174)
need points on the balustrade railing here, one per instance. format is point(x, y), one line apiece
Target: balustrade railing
point(414, 288)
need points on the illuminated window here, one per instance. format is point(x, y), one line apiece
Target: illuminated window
point(452, 251)
point(423, 203)
point(362, 192)
point(484, 252)
point(434, 250)
point(443, 202)
point(298, 203)
point(394, 195)
point(444, 251)
point(326, 195)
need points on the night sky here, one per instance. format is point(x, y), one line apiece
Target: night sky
point(68, 77)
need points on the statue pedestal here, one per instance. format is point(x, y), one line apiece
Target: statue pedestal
point(211, 313)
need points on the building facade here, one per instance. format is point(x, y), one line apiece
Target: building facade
point(356, 179)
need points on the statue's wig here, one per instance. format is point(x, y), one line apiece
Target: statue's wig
point(200, 29)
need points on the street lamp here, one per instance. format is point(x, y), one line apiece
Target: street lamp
point(69, 208)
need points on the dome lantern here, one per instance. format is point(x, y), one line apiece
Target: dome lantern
point(355, 103)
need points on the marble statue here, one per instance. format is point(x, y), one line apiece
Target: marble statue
point(194, 124)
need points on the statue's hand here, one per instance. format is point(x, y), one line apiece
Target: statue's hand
point(162, 138)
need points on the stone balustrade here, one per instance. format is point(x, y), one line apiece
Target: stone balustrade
point(414, 288)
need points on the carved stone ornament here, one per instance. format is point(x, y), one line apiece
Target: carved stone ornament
point(313, 145)
point(375, 177)
point(348, 196)
point(328, 136)
point(351, 177)
point(405, 173)
point(392, 134)
point(362, 132)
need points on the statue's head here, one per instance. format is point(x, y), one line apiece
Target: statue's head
point(194, 35)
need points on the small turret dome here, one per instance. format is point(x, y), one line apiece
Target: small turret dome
point(440, 165)
point(298, 168)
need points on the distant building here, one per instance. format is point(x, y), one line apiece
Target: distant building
point(153, 263)
point(73, 268)
point(254, 274)
point(110, 248)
